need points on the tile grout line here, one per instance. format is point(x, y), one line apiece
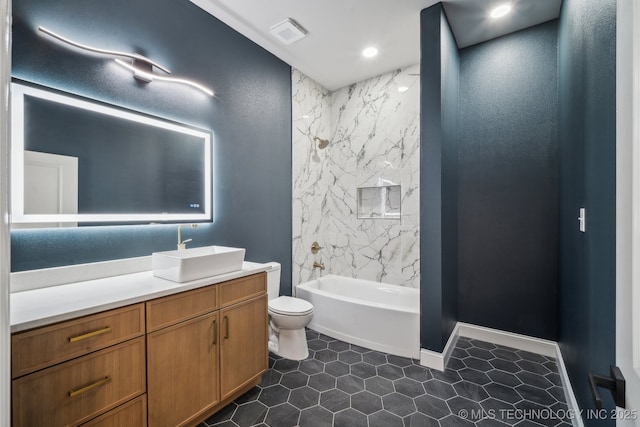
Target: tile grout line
point(535, 345)
point(381, 388)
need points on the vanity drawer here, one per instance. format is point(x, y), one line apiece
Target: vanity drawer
point(81, 389)
point(241, 289)
point(166, 311)
point(47, 346)
point(131, 414)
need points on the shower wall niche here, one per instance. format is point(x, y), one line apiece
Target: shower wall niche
point(382, 202)
point(358, 197)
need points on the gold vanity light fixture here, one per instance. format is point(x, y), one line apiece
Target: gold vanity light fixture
point(141, 66)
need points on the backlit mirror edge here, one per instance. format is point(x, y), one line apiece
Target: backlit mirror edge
point(18, 92)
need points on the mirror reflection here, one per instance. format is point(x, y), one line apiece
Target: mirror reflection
point(79, 162)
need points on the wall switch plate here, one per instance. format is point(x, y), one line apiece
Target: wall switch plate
point(582, 220)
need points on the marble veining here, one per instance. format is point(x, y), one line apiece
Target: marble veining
point(374, 136)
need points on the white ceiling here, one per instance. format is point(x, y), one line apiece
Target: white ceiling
point(471, 23)
point(338, 30)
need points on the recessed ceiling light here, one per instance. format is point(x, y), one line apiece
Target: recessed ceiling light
point(501, 11)
point(370, 52)
point(403, 89)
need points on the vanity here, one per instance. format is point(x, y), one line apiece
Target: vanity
point(161, 341)
point(137, 350)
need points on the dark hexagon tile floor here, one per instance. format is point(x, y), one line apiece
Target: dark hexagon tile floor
point(341, 384)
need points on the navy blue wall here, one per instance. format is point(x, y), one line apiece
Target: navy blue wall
point(438, 179)
point(250, 117)
point(508, 192)
point(587, 118)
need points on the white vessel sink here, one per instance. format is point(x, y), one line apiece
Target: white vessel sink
point(196, 263)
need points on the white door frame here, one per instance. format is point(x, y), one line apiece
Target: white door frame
point(5, 246)
point(628, 202)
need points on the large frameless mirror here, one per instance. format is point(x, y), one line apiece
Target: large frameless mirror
point(78, 162)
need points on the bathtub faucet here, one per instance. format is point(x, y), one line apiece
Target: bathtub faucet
point(319, 265)
point(315, 247)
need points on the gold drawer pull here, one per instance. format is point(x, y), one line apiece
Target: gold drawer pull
point(79, 391)
point(226, 327)
point(215, 332)
point(90, 334)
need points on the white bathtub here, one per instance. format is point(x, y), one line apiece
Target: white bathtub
point(369, 314)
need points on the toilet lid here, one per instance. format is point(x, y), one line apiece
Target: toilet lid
point(290, 305)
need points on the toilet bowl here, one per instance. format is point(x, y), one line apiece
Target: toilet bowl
point(288, 316)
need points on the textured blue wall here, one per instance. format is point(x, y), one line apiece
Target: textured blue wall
point(250, 117)
point(508, 195)
point(587, 119)
point(438, 179)
point(450, 173)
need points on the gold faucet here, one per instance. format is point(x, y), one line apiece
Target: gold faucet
point(315, 247)
point(182, 244)
point(319, 265)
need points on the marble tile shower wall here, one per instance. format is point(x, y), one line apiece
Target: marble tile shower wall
point(374, 134)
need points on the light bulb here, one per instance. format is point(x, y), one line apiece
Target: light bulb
point(501, 11)
point(370, 52)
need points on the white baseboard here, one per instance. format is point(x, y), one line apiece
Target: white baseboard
point(435, 360)
point(508, 339)
point(569, 396)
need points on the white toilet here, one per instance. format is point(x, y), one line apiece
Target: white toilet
point(288, 317)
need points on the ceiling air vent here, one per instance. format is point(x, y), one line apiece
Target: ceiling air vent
point(288, 31)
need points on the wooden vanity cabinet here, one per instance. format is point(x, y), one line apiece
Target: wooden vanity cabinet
point(182, 371)
point(46, 346)
point(244, 321)
point(182, 357)
point(244, 325)
point(81, 369)
point(133, 413)
point(197, 362)
point(168, 362)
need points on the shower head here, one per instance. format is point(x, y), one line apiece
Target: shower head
point(322, 143)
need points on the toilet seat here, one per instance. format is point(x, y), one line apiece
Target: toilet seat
point(289, 306)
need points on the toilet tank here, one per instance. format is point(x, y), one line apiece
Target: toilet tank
point(273, 280)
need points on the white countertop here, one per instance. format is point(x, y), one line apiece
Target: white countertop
point(39, 307)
